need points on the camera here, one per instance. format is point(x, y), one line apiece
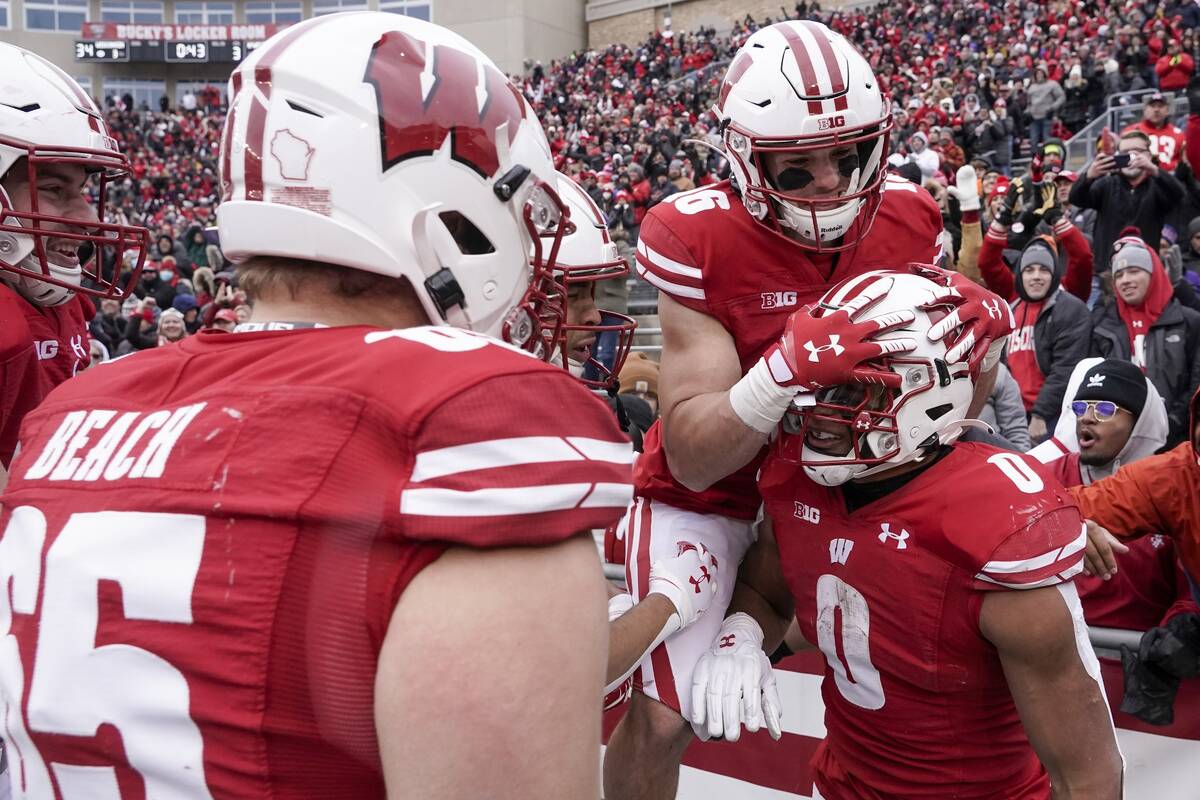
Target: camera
point(1121, 160)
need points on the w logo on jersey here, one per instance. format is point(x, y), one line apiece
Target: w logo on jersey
point(814, 352)
point(428, 92)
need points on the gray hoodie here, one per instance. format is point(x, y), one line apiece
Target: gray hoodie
point(1148, 435)
point(1045, 98)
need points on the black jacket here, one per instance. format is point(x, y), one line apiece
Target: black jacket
point(1172, 356)
point(1061, 337)
point(1120, 204)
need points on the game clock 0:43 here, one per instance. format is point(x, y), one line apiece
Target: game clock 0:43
point(190, 52)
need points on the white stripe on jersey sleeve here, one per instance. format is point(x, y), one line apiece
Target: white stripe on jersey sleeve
point(1037, 562)
point(496, 453)
point(513, 501)
point(667, 286)
point(1056, 578)
point(668, 264)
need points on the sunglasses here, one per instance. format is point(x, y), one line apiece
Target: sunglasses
point(1103, 409)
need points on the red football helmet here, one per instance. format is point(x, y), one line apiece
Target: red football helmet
point(49, 121)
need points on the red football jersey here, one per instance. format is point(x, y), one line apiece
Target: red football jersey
point(704, 250)
point(916, 704)
point(39, 349)
point(1166, 142)
point(207, 542)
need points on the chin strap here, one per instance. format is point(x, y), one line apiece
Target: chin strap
point(956, 429)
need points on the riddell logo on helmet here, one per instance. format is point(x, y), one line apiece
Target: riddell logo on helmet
point(829, 123)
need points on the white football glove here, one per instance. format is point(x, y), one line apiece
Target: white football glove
point(734, 684)
point(965, 189)
point(689, 581)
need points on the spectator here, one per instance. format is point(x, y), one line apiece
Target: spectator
point(99, 354)
point(1174, 68)
point(1166, 140)
point(1005, 410)
point(1147, 326)
point(196, 247)
point(108, 327)
point(952, 156)
point(1139, 194)
point(1082, 218)
point(1046, 97)
point(1190, 251)
point(225, 320)
point(675, 175)
point(926, 159)
point(171, 327)
point(141, 331)
point(1076, 105)
point(1038, 204)
point(1051, 335)
point(186, 304)
point(1113, 416)
point(639, 377)
point(205, 286)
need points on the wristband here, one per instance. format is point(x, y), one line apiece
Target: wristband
point(758, 401)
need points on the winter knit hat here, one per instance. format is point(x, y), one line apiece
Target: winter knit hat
point(1117, 381)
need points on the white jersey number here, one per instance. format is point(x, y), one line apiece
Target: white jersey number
point(1017, 471)
point(856, 677)
point(78, 686)
point(699, 200)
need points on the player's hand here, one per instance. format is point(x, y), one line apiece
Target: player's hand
point(823, 346)
point(1098, 559)
point(985, 319)
point(734, 685)
point(689, 581)
point(965, 189)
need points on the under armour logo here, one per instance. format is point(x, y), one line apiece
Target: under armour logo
point(993, 308)
point(78, 348)
point(1095, 380)
point(839, 550)
point(729, 640)
point(704, 576)
point(901, 538)
point(814, 352)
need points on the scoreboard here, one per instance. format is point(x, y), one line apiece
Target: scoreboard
point(168, 51)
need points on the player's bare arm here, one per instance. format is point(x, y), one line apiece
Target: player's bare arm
point(680, 592)
point(705, 439)
point(761, 590)
point(1054, 679)
point(446, 716)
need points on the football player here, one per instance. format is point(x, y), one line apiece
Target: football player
point(806, 129)
point(343, 553)
point(937, 584)
point(55, 152)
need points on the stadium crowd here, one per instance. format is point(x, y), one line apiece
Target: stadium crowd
point(1103, 264)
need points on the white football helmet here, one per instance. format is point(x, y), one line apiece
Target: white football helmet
point(587, 255)
point(887, 427)
point(47, 119)
point(383, 143)
point(795, 87)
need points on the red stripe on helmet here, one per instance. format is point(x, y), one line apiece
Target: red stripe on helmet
point(256, 143)
point(840, 103)
point(735, 72)
point(815, 107)
point(808, 74)
point(836, 79)
point(227, 140)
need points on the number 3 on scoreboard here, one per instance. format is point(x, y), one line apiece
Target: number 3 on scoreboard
point(76, 686)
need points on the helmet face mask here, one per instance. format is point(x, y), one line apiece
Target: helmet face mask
point(821, 223)
point(586, 256)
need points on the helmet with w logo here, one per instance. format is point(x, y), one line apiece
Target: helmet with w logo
point(382, 143)
point(855, 430)
point(797, 93)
